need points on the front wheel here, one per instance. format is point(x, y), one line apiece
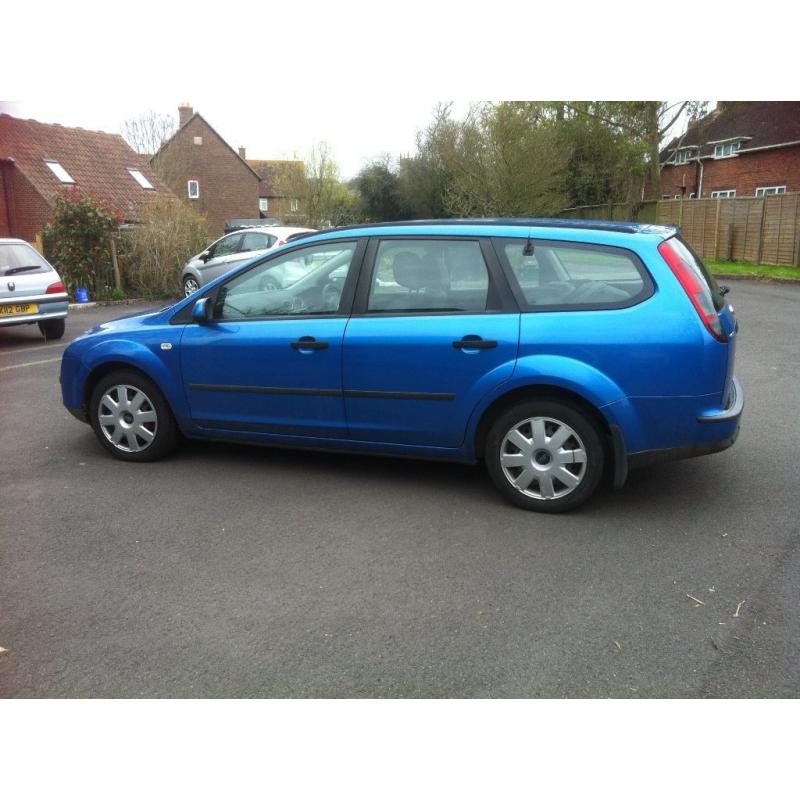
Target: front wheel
point(131, 418)
point(545, 456)
point(52, 328)
point(190, 285)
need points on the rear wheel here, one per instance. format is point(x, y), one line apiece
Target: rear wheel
point(131, 418)
point(545, 456)
point(52, 328)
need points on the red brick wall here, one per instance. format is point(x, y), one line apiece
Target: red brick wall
point(745, 173)
point(26, 211)
point(5, 225)
point(228, 189)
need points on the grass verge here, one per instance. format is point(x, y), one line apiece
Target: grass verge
point(737, 269)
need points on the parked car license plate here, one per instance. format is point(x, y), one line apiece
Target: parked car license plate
point(18, 308)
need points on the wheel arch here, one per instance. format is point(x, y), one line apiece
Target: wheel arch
point(539, 391)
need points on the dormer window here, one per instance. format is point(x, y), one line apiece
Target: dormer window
point(60, 172)
point(141, 180)
point(684, 155)
point(727, 149)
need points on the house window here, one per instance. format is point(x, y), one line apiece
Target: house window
point(677, 197)
point(726, 149)
point(263, 204)
point(666, 197)
point(294, 205)
point(60, 172)
point(724, 193)
point(141, 180)
point(683, 156)
point(194, 189)
point(763, 191)
point(198, 140)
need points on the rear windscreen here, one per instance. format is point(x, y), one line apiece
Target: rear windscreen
point(21, 259)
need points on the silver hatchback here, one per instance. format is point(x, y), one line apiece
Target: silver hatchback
point(31, 290)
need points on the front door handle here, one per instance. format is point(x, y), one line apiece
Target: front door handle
point(475, 344)
point(309, 343)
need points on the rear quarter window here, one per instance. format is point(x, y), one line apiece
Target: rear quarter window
point(567, 275)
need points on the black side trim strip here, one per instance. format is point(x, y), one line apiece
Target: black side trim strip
point(210, 387)
point(399, 395)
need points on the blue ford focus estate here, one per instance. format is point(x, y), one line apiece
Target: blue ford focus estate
point(556, 351)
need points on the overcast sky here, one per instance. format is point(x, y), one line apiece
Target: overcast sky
point(364, 77)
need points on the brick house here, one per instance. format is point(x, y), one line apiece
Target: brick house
point(207, 173)
point(39, 162)
point(275, 195)
point(739, 149)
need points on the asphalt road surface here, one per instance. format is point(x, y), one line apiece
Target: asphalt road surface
point(235, 571)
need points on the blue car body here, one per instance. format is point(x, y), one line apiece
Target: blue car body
point(651, 371)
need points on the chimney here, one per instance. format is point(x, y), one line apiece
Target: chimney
point(185, 112)
point(242, 152)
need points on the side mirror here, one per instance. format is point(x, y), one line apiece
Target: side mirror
point(205, 255)
point(202, 310)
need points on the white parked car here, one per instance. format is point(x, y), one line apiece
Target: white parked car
point(231, 250)
point(30, 290)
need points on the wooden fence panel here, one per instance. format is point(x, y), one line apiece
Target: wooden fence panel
point(762, 230)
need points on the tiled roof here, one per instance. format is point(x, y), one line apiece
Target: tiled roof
point(269, 171)
point(761, 124)
point(98, 162)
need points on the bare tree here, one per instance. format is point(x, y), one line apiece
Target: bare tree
point(147, 132)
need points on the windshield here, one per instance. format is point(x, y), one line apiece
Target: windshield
point(17, 258)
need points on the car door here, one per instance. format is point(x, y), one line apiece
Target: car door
point(269, 361)
point(222, 257)
point(434, 328)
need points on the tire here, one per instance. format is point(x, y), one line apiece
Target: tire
point(190, 285)
point(545, 455)
point(149, 430)
point(52, 328)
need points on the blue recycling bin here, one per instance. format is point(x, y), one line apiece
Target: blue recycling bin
point(82, 295)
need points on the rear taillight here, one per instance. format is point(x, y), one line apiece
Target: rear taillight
point(56, 288)
point(695, 287)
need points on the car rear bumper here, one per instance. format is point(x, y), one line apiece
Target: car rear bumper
point(733, 410)
point(53, 306)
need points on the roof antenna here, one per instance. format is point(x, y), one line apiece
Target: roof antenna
point(528, 249)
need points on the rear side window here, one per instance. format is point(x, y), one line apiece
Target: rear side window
point(417, 275)
point(572, 276)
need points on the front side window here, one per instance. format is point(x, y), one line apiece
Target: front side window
point(418, 275)
point(227, 245)
point(763, 191)
point(565, 275)
point(309, 280)
point(193, 188)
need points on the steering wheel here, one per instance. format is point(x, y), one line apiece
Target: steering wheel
point(331, 295)
point(268, 284)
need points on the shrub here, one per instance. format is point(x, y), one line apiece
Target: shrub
point(76, 239)
point(152, 254)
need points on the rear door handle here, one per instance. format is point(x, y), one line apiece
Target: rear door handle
point(475, 344)
point(309, 343)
